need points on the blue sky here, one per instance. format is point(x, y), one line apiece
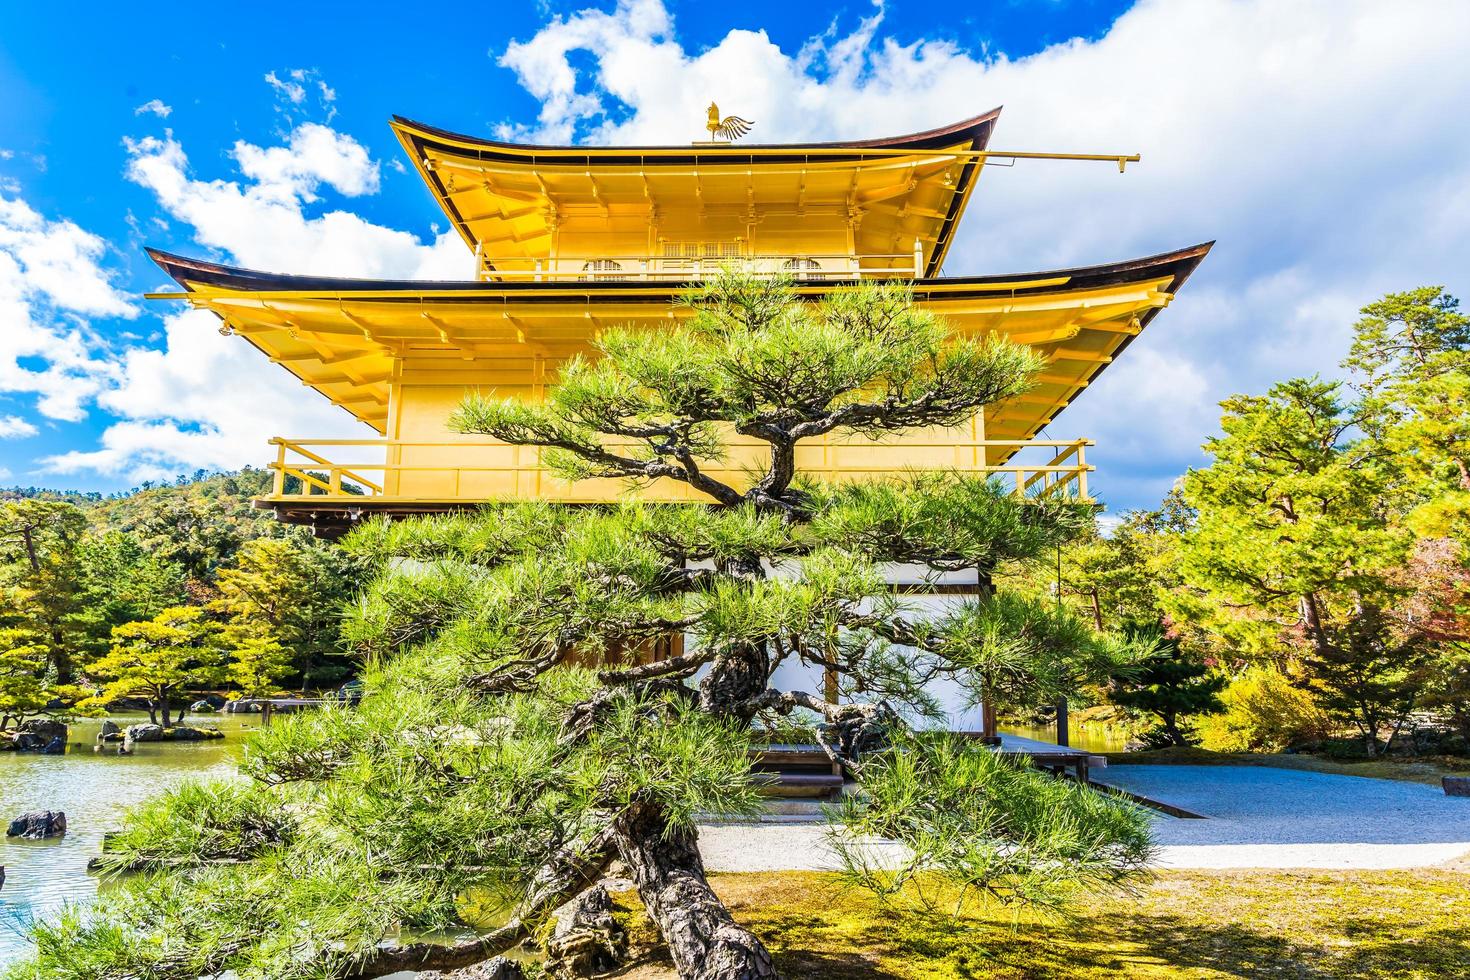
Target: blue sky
point(1315, 140)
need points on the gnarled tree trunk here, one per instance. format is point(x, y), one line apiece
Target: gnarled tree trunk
point(703, 938)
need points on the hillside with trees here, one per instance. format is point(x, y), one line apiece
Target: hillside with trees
point(83, 578)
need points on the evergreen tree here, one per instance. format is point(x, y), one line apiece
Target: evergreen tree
point(1296, 540)
point(120, 582)
point(523, 725)
point(292, 592)
point(257, 662)
point(22, 669)
point(160, 659)
point(1170, 686)
point(40, 576)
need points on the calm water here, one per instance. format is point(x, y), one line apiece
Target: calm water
point(93, 789)
point(1089, 738)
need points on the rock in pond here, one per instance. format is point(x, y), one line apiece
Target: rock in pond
point(109, 732)
point(1456, 785)
point(183, 733)
point(39, 735)
point(202, 708)
point(180, 733)
point(38, 825)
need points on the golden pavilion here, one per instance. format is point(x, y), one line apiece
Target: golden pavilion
point(567, 240)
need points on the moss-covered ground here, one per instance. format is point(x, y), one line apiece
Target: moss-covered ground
point(1404, 925)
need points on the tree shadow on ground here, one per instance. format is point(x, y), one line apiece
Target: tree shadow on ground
point(1353, 951)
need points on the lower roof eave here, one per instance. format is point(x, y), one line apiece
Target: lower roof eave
point(191, 273)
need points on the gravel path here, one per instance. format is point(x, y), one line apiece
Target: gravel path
point(1258, 817)
point(1284, 818)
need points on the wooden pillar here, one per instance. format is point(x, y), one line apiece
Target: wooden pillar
point(1063, 738)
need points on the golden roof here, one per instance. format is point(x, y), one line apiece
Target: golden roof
point(507, 199)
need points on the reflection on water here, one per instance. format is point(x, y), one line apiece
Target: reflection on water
point(1089, 738)
point(93, 789)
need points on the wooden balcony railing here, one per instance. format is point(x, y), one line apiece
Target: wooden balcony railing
point(670, 268)
point(446, 471)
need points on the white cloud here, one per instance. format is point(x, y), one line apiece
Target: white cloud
point(155, 107)
point(200, 401)
point(190, 398)
point(15, 427)
point(302, 91)
point(51, 282)
point(263, 223)
point(291, 87)
point(1309, 138)
point(203, 401)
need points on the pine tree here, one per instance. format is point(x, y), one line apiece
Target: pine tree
point(1170, 686)
point(159, 659)
point(1296, 549)
point(294, 592)
point(551, 688)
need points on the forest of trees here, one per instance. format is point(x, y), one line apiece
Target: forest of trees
point(157, 592)
point(1314, 577)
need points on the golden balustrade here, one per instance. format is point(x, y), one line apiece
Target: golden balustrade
point(412, 472)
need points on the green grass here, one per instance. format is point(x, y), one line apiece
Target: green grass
point(1408, 925)
point(1420, 769)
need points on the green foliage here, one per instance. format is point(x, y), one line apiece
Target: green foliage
point(120, 582)
point(289, 593)
point(1264, 712)
point(257, 662)
point(1411, 358)
point(200, 822)
point(1295, 527)
point(1171, 686)
point(22, 667)
point(159, 659)
point(755, 360)
point(195, 525)
point(985, 825)
point(1019, 652)
point(40, 576)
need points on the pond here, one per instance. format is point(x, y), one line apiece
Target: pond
point(1092, 737)
point(93, 789)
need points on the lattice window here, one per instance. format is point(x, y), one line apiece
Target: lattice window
point(603, 270)
point(689, 256)
point(803, 268)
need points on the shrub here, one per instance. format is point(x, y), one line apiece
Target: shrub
point(1264, 712)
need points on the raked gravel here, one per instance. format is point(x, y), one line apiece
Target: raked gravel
point(1257, 817)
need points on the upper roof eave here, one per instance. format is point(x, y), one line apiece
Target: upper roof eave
point(976, 128)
